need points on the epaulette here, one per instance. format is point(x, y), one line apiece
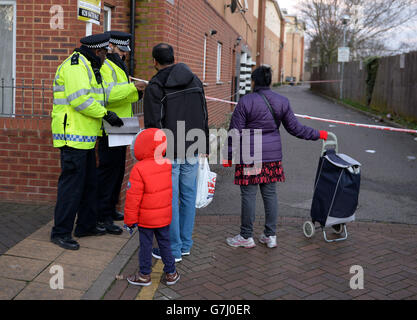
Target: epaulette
point(74, 59)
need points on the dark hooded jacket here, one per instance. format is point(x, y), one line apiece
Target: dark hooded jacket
point(176, 95)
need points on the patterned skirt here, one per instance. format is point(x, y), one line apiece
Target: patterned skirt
point(269, 172)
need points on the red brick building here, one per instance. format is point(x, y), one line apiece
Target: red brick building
point(44, 34)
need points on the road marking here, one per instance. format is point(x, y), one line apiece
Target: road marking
point(411, 158)
point(370, 151)
point(147, 293)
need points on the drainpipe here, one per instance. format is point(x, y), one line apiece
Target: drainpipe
point(261, 32)
point(132, 32)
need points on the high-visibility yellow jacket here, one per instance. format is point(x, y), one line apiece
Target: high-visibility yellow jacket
point(78, 106)
point(120, 93)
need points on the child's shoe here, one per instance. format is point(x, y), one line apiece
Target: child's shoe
point(139, 279)
point(172, 278)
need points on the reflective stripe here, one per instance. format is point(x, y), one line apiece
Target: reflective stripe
point(64, 102)
point(74, 137)
point(108, 91)
point(61, 102)
point(78, 94)
point(112, 70)
point(59, 69)
point(59, 89)
point(85, 104)
point(88, 69)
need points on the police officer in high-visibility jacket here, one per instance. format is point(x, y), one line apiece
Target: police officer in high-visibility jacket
point(78, 110)
point(121, 93)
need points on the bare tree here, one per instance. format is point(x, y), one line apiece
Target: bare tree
point(371, 21)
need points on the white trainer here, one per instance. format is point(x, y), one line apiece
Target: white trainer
point(239, 241)
point(271, 241)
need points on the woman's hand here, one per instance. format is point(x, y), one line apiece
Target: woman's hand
point(227, 163)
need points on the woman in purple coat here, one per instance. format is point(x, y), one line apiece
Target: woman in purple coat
point(260, 153)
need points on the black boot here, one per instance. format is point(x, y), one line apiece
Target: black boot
point(66, 242)
point(117, 216)
point(111, 228)
point(96, 231)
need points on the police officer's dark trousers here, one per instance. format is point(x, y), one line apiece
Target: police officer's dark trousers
point(111, 171)
point(77, 192)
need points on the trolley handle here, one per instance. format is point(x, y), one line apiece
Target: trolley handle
point(330, 142)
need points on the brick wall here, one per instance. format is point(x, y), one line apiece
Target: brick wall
point(160, 21)
point(29, 165)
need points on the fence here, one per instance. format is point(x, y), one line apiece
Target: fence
point(396, 85)
point(31, 98)
point(395, 89)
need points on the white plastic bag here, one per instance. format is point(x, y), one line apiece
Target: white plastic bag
point(206, 184)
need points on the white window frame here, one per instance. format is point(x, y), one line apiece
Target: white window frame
point(219, 62)
point(13, 3)
point(109, 11)
point(205, 58)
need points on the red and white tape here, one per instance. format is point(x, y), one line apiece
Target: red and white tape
point(370, 126)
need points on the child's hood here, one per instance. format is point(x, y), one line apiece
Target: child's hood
point(150, 144)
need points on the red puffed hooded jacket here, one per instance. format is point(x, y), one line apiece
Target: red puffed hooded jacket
point(149, 190)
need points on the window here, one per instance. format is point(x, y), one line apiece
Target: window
point(107, 19)
point(205, 58)
point(219, 61)
point(8, 55)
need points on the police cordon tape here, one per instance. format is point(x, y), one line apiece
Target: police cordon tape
point(369, 126)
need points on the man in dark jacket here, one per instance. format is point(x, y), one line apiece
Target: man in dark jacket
point(175, 101)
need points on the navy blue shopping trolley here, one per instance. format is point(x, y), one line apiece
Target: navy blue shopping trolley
point(336, 192)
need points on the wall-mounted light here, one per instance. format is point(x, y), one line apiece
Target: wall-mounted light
point(238, 41)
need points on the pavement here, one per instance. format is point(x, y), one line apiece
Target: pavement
point(381, 244)
point(299, 268)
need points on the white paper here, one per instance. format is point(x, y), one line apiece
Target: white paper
point(124, 135)
point(117, 140)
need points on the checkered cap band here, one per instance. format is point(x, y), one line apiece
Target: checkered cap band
point(120, 42)
point(98, 45)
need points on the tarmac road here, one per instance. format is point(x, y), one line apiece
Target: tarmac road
point(389, 174)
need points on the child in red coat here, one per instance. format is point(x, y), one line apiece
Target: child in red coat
point(149, 204)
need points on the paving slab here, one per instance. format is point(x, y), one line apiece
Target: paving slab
point(41, 291)
point(89, 258)
point(41, 250)
point(19, 268)
point(10, 288)
point(75, 277)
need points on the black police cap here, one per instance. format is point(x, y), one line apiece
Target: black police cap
point(96, 41)
point(120, 39)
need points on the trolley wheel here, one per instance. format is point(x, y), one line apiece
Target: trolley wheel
point(309, 229)
point(338, 228)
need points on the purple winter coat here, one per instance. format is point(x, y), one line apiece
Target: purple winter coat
point(252, 113)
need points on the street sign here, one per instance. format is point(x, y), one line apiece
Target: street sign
point(343, 54)
point(89, 11)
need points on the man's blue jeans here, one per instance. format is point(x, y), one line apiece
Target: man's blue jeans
point(184, 192)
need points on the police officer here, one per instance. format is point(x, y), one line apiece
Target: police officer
point(121, 93)
point(78, 110)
